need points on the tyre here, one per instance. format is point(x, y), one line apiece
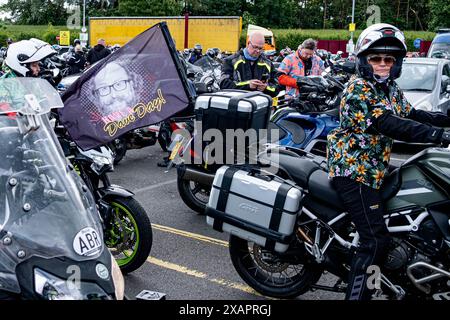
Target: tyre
point(129, 234)
point(267, 273)
point(119, 149)
point(164, 138)
point(194, 194)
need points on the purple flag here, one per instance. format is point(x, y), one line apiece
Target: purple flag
point(138, 85)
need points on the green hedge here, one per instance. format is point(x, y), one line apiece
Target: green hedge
point(46, 33)
point(292, 37)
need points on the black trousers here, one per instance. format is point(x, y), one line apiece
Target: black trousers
point(365, 207)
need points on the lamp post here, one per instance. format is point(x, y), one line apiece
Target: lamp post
point(350, 45)
point(353, 16)
point(83, 35)
point(84, 16)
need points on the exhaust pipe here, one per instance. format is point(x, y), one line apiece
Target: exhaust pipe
point(194, 174)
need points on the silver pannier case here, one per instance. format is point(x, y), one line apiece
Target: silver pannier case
point(254, 207)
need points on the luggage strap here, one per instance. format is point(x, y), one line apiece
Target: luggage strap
point(223, 195)
point(234, 101)
point(277, 212)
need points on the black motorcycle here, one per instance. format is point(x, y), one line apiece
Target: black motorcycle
point(126, 225)
point(51, 244)
point(323, 238)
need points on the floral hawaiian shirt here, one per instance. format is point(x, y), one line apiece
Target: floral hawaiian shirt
point(294, 67)
point(353, 151)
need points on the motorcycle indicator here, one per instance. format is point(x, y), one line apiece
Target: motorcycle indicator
point(87, 242)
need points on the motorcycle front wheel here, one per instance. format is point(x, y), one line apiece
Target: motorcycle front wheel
point(129, 234)
point(268, 274)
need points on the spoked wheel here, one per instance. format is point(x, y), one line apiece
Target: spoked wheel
point(194, 194)
point(129, 235)
point(269, 274)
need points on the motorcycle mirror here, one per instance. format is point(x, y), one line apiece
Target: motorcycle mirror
point(349, 67)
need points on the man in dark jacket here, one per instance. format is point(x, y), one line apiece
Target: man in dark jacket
point(98, 52)
point(197, 54)
point(249, 69)
point(77, 61)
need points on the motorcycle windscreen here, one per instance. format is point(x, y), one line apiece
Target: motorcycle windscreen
point(28, 96)
point(210, 67)
point(44, 209)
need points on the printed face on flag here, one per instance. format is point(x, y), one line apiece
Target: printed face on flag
point(114, 90)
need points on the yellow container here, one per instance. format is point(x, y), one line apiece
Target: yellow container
point(210, 32)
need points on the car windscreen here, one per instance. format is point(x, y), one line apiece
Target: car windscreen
point(440, 50)
point(417, 77)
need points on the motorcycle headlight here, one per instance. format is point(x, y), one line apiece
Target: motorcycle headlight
point(50, 287)
point(102, 161)
point(119, 282)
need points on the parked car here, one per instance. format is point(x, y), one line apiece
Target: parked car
point(440, 47)
point(426, 83)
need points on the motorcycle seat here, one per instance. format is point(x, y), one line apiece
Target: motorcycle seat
point(300, 169)
point(311, 176)
point(321, 188)
point(332, 112)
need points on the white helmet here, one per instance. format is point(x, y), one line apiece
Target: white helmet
point(380, 38)
point(21, 54)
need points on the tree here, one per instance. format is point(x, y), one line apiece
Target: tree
point(149, 7)
point(439, 13)
point(36, 11)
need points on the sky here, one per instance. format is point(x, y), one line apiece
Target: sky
point(3, 14)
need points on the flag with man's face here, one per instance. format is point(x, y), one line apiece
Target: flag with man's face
point(140, 84)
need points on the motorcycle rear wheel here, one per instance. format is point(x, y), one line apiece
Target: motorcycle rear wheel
point(193, 194)
point(164, 138)
point(119, 149)
point(129, 235)
point(261, 271)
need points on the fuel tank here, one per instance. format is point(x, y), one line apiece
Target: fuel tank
point(424, 179)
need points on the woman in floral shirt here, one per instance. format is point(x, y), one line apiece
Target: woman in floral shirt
point(374, 111)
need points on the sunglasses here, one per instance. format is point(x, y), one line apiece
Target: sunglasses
point(389, 60)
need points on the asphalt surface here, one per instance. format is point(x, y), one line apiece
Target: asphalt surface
point(188, 260)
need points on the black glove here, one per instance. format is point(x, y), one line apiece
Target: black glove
point(445, 139)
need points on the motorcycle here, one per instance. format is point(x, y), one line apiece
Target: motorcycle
point(203, 75)
point(323, 238)
point(145, 137)
point(126, 226)
point(305, 121)
point(50, 229)
point(319, 115)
